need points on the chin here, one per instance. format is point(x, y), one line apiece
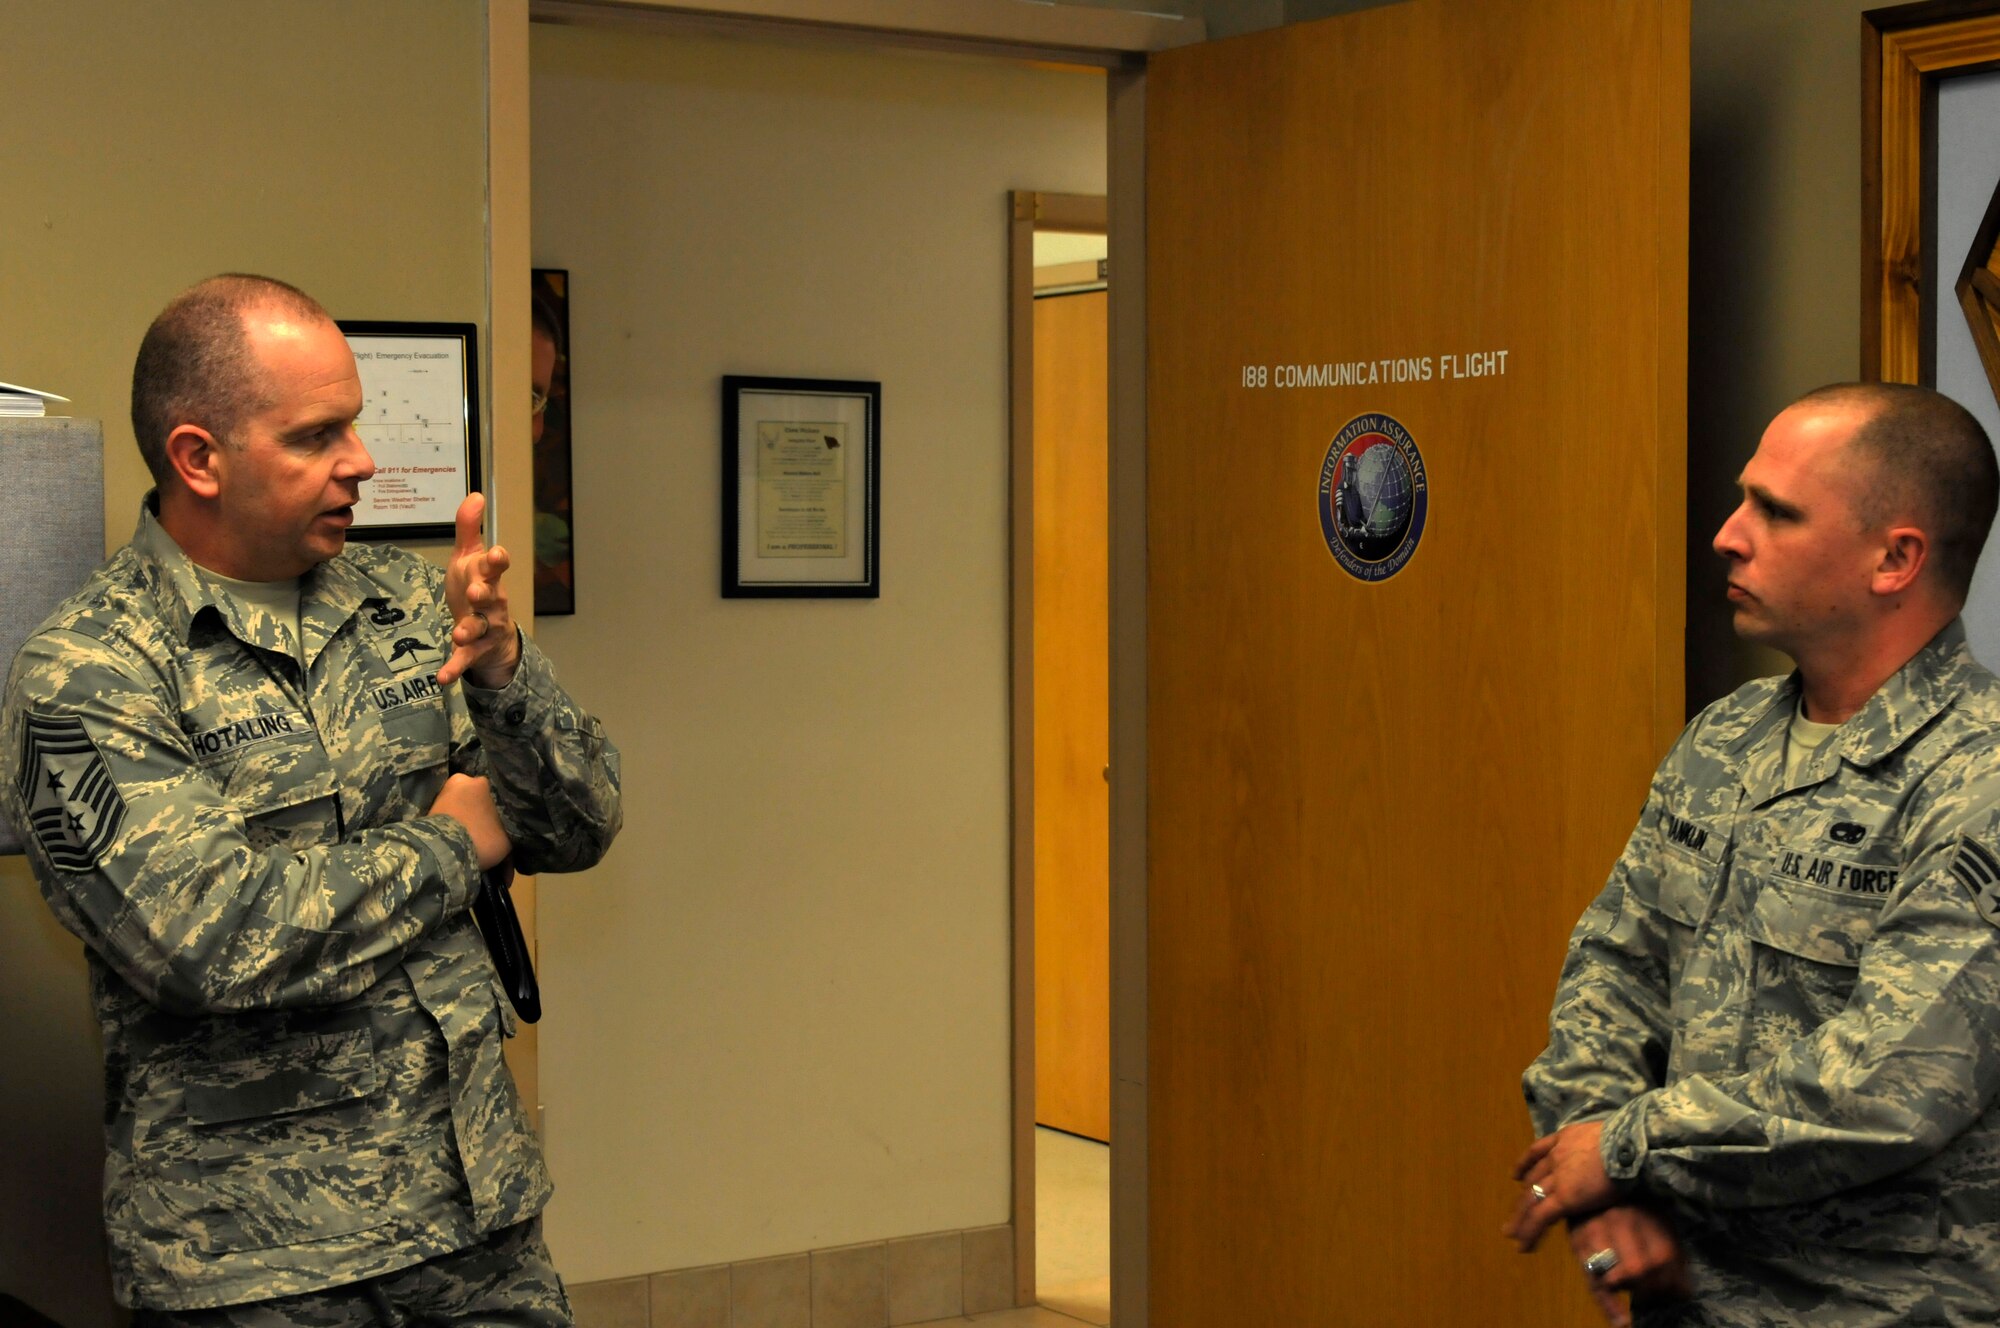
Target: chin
point(1751, 629)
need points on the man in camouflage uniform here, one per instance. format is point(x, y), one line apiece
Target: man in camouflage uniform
point(1769, 1094)
point(260, 774)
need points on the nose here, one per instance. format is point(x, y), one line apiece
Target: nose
point(355, 463)
point(1729, 542)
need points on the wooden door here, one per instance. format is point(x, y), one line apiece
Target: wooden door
point(1072, 717)
point(1376, 807)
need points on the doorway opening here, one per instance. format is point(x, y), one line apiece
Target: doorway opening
point(1060, 265)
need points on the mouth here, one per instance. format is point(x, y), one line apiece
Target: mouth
point(1738, 595)
point(340, 516)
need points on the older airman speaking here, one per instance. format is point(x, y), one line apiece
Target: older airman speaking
point(1769, 1092)
point(261, 773)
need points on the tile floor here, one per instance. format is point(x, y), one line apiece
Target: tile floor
point(1032, 1316)
point(1073, 1225)
point(1072, 1238)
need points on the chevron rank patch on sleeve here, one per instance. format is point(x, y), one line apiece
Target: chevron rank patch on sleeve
point(1978, 870)
point(73, 807)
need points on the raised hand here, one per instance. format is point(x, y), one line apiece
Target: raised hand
point(485, 644)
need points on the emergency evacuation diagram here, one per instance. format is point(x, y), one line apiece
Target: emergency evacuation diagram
point(416, 415)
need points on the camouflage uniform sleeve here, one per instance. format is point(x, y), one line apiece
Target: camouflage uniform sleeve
point(1608, 1027)
point(555, 775)
point(167, 886)
point(1911, 1060)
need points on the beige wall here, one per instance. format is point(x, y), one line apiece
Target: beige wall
point(778, 1015)
point(1774, 259)
point(340, 146)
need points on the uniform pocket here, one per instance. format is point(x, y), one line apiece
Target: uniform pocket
point(1686, 885)
point(1806, 957)
point(1814, 924)
point(284, 789)
point(285, 1144)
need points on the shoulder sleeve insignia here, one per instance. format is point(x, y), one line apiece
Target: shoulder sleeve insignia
point(74, 810)
point(1978, 870)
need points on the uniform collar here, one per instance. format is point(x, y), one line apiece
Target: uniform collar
point(1913, 696)
point(329, 594)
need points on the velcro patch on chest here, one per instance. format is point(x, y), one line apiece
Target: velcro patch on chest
point(1978, 870)
point(247, 730)
point(404, 645)
point(405, 691)
point(1852, 878)
point(1692, 836)
point(74, 810)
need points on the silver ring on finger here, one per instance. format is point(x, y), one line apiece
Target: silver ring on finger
point(1539, 1193)
point(1602, 1262)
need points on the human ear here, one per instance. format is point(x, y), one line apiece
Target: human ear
point(193, 453)
point(1905, 549)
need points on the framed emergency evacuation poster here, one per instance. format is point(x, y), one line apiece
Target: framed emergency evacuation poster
point(801, 488)
point(420, 419)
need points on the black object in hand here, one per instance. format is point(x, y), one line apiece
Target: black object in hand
point(493, 910)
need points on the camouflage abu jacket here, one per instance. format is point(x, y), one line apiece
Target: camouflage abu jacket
point(1785, 1006)
point(302, 1030)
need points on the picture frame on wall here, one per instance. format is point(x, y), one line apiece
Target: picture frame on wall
point(555, 504)
point(420, 420)
point(802, 488)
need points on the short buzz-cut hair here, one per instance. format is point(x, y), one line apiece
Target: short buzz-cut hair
point(195, 366)
point(1932, 462)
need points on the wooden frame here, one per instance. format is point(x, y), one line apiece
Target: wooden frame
point(1905, 51)
point(1978, 292)
point(1131, 1192)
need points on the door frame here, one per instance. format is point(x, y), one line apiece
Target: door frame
point(1131, 1196)
point(1118, 43)
point(1028, 211)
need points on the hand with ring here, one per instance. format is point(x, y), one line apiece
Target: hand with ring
point(1562, 1176)
point(1628, 1249)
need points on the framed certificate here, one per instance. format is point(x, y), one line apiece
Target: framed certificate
point(420, 419)
point(801, 488)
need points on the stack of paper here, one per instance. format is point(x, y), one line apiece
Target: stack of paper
point(18, 401)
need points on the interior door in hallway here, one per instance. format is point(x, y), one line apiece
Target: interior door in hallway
point(1072, 717)
point(1416, 378)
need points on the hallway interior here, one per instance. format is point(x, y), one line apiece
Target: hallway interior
point(1073, 1225)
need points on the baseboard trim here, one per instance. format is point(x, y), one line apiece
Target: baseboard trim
point(876, 1284)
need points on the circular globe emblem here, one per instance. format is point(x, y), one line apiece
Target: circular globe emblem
point(1373, 496)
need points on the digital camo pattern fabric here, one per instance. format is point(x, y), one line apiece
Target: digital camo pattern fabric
point(506, 1279)
point(302, 1028)
point(1785, 1006)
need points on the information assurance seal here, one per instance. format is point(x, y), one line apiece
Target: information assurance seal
point(1373, 496)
